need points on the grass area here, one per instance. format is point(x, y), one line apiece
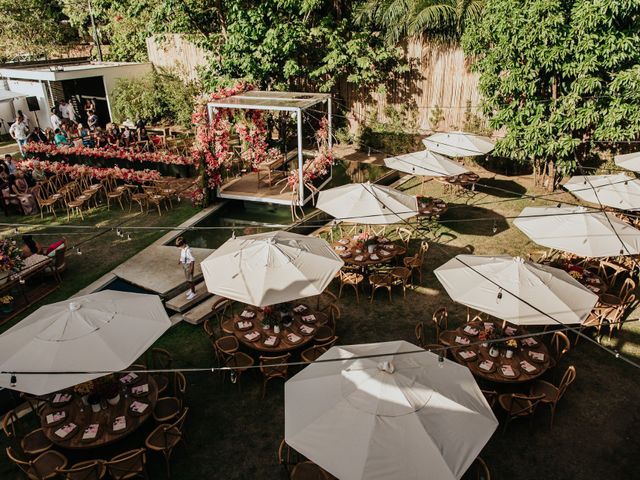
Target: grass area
point(234, 434)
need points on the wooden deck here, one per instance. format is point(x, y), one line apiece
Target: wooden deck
point(246, 187)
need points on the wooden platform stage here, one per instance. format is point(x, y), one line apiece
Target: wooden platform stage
point(246, 187)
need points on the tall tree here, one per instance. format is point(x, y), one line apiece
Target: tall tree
point(559, 77)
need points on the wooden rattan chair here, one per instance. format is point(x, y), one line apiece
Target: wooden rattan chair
point(43, 467)
point(419, 332)
point(351, 279)
point(404, 234)
point(128, 465)
point(161, 359)
point(414, 263)
point(222, 310)
point(381, 280)
point(88, 470)
point(33, 442)
point(560, 346)
point(551, 394)
point(311, 354)
point(402, 276)
point(479, 470)
point(287, 457)
point(271, 368)
point(168, 408)
point(491, 396)
point(440, 320)
point(166, 437)
point(44, 201)
point(517, 405)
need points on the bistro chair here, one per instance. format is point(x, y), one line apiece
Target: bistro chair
point(327, 303)
point(415, 262)
point(43, 467)
point(166, 437)
point(161, 359)
point(34, 442)
point(128, 465)
point(352, 279)
point(440, 320)
point(404, 234)
point(537, 256)
point(517, 405)
point(311, 354)
point(401, 276)
point(479, 470)
point(609, 272)
point(308, 470)
point(616, 324)
point(560, 346)
point(491, 396)
point(287, 457)
point(89, 470)
point(598, 317)
point(239, 362)
point(419, 332)
point(46, 202)
point(168, 408)
point(224, 315)
point(271, 368)
point(323, 334)
point(551, 394)
point(381, 280)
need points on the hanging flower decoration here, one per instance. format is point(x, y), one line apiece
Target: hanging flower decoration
point(320, 165)
point(253, 134)
point(74, 171)
point(10, 259)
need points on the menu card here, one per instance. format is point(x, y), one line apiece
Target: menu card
point(384, 253)
point(140, 389)
point(529, 342)
point(510, 331)
point(471, 330)
point(138, 407)
point(56, 417)
point(309, 318)
point(462, 340)
point(374, 257)
point(306, 329)
point(244, 325)
point(252, 336)
point(61, 397)
point(271, 341)
point(299, 308)
point(359, 258)
point(340, 248)
point(293, 338)
point(343, 241)
point(486, 365)
point(248, 314)
point(507, 371)
point(466, 354)
point(91, 431)
point(527, 367)
point(129, 378)
point(120, 423)
point(537, 356)
point(65, 430)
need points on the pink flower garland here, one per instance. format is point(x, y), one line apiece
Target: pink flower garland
point(320, 165)
point(74, 171)
point(109, 153)
point(254, 137)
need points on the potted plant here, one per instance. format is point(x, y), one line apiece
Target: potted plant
point(370, 243)
point(284, 312)
point(6, 304)
point(110, 391)
point(512, 345)
point(85, 389)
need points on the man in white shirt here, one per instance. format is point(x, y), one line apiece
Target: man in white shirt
point(188, 263)
point(67, 111)
point(19, 132)
point(56, 123)
point(27, 122)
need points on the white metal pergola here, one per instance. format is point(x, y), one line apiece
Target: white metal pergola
point(295, 102)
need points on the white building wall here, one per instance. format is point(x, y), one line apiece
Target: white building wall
point(113, 74)
point(31, 88)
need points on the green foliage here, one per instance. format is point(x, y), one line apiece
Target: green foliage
point(396, 135)
point(558, 76)
point(412, 18)
point(436, 116)
point(156, 97)
point(32, 29)
point(474, 123)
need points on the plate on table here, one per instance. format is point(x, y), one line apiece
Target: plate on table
point(91, 433)
point(388, 246)
point(528, 368)
point(61, 399)
point(140, 390)
point(55, 418)
point(120, 424)
point(345, 254)
point(66, 431)
point(311, 318)
point(252, 336)
point(359, 258)
point(383, 240)
point(130, 378)
point(487, 366)
point(306, 330)
point(510, 331)
point(293, 338)
point(469, 330)
point(462, 340)
point(467, 355)
point(529, 342)
point(138, 408)
point(300, 308)
point(374, 257)
point(248, 314)
point(343, 241)
point(537, 357)
point(385, 253)
point(271, 341)
point(508, 371)
point(340, 248)
point(244, 325)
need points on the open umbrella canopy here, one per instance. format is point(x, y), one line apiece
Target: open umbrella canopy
point(405, 416)
point(579, 231)
point(459, 144)
point(426, 163)
point(619, 191)
point(103, 331)
point(630, 161)
point(367, 203)
point(516, 290)
point(269, 268)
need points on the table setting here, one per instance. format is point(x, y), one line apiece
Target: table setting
point(430, 206)
point(367, 249)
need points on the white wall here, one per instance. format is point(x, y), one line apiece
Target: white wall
point(113, 74)
point(32, 88)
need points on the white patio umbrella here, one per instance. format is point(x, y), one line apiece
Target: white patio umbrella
point(579, 231)
point(514, 290)
point(459, 144)
point(269, 268)
point(400, 416)
point(630, 161)
point(367, 203)
point(617, 191)
point(425, 163)
point(103, 331)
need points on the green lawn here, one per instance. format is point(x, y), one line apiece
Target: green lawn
point(234, 434)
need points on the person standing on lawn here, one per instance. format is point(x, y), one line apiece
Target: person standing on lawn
point(19, 131)
point(188, 263)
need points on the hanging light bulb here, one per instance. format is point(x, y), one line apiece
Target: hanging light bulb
point(16, 231)
point(13, 380)
point(128, 236)
point(233, 376)
point(79, 252)
point(21, 281)
point(559, 205)
point(495, 227)
point(499, 297)
point(440, 360)
point(118, 232)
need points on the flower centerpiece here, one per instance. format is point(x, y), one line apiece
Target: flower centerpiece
point(10, 259)
point(6, 304)
point(85, 390)
point(267, 319)
point(423, 201)
point(284, 313)
point(512, 345)
point(109, 390)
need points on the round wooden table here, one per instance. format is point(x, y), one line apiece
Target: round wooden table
point(384, 251)
point(83, 416)
point(530, 353)
point(304, 325)
point(431, 207)
point(464, 180)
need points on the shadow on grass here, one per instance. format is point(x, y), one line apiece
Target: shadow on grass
point(500, 188)
point(470, 220)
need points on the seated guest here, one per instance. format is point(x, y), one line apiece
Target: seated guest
point(100, 138)
point(38, 174)
point(37, 136)
point(92, 120)
point(60, 138)
point(84, 135)
point(30, 246)
point(12, 167)
point(20, 188)
point(126, 137)
point(48, 133)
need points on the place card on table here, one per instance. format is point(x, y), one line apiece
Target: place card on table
point(507, 371)
point(61, 397)
point(244, 325)
point(462, 340)
point(343, 241)
point(252, 336)
point(129, 378)
point(65, 430)
point(300, 308)
point(388, 246)
point(510, 331)
point(486, 365)
point(91, 431)
point(309, 318)
point(345, 254)
point(385, 253)
point(56, 417)
point(138, 407)
point(467, 354)
point(248, 314)
point(359, 258)
point(140, 389)
point(293, 338)
point(340, 248)
point(527, 367)
point(529, 342)
point(119, 424)
point(374, 257)
point(469, 330)
point(537, 356)
point(271, 341)
point(306, 329)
